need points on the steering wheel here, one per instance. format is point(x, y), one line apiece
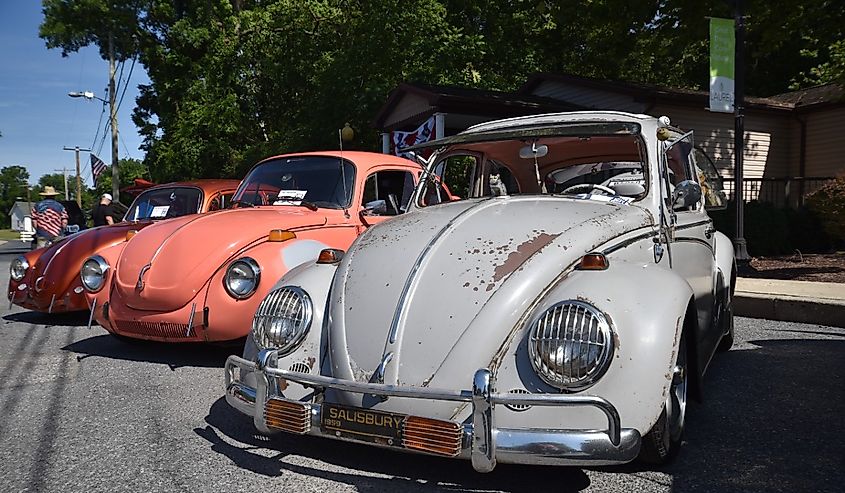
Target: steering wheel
point(591, 187)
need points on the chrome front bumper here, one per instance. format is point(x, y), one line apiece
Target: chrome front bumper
point(483, 443)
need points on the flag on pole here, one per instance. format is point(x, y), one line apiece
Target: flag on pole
point(722, 52)
point(423, 133)
point(97, 167)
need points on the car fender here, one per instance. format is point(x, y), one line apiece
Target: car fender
point(725, 261)
point(232, 318)
point(111, 255)
point(312, 353)
point(647, 326)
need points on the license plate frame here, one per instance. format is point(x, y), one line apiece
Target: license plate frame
point(366, 425)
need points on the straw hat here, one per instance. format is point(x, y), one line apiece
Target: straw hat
point(49, 191)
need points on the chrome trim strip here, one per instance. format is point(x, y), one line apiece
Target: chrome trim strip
point(693, 225)
point(52, 301)
point(400, 306)
point(630, 241)
point(690, 239)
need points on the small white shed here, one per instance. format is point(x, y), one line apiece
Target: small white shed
point(21, 216)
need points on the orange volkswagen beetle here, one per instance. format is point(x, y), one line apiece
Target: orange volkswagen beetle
point(47, 279)
point(200, 278)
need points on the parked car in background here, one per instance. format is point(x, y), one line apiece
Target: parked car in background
point(47, 279)
point(201, 278)
point(560, 314)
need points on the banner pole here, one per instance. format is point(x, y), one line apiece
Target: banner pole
point(740, 247)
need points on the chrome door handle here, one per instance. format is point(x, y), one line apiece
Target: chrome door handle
point(709, 230)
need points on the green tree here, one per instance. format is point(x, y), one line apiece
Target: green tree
point(13, 187)
point(233, 81)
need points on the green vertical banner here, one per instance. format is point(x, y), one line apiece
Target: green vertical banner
point(722, 51)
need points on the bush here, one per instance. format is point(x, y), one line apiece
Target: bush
point(828, 203)
point(771, 230)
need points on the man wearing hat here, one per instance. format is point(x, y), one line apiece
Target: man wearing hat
point(49, 218)
point(103, 212)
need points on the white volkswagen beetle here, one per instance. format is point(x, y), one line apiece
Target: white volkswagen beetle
point(560, 312)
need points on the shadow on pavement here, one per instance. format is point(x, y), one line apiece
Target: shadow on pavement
point(771, 421)
point(408, 472)
point(72, 319)
point(172, 355)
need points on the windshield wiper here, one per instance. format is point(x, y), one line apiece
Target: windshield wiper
point(308, 205)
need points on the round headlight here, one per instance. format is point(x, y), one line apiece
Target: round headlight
point(242, 278)
point(282, 319)
point(18, 267)
point(570, 345)
point(93, 273)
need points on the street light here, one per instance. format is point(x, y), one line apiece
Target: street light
point(89, 95)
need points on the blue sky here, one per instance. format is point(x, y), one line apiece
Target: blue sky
point(37, 118)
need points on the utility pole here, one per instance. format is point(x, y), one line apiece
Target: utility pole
point(78, 175)
point(115, 173)
point(740, 250)
point(64, 172)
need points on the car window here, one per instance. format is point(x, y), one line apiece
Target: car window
point(394, 187)
point(164, 203)
point(613, 166)
point(679, 167)
point(320, 180)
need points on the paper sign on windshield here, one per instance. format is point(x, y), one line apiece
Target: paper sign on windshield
point(159, 211)
point(290, 197)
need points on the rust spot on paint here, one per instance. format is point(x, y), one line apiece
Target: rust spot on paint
point(522, 253)
point(283, 384)
point(310, 362)
point(466, 284)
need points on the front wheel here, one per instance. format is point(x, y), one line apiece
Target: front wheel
point(662, 443)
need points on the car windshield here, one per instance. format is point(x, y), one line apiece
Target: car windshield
point(164, 203)
point(319, 181)
point(600, 167)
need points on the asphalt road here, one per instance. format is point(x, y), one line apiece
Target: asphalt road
point(82, 411)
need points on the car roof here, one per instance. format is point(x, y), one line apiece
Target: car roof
point(363, 160)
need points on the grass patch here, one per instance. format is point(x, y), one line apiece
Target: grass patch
point(9, 234)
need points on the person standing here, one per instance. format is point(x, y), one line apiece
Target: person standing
point(103, 212)
point(49, 218)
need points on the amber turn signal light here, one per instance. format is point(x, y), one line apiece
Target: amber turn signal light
point(330, 256)
point(130, 234)
point(280, 235)
point(593, 261)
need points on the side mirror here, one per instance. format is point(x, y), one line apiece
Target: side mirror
point(375, 208)
point(686, 194)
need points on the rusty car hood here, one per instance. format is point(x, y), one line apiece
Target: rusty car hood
point(58, 265)
point(428, 275)
point(180, 255)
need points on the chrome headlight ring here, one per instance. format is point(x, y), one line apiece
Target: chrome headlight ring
point(571, 345)
point(93, 273)
point(18, 267)
point(242, 278)
point(283, 319)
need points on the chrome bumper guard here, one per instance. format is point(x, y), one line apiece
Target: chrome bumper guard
point(484, 444)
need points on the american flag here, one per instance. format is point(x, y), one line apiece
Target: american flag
point(97, 167)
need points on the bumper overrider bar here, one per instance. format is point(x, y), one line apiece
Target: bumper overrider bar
point(482, 442)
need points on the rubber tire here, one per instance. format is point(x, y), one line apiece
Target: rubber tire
point(655, 449)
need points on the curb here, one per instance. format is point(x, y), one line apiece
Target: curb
point(788, 308)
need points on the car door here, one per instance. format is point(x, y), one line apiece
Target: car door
point(386, 193)
point(692, 239)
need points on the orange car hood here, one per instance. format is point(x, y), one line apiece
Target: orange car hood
point(59, 264)
point(179, 256)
